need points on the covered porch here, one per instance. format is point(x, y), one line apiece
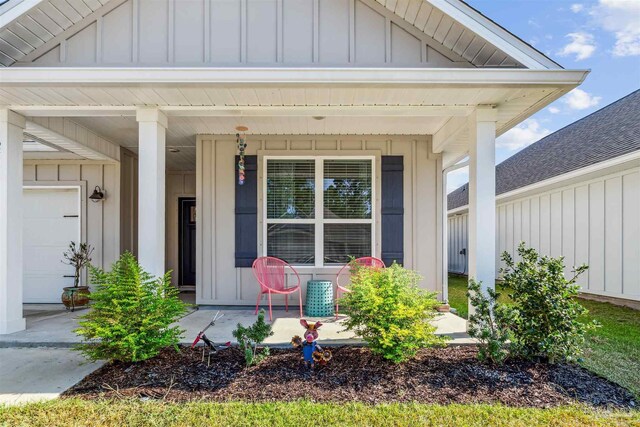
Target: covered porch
point(157, 124)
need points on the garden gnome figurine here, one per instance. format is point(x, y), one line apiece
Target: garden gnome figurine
point(311, 350)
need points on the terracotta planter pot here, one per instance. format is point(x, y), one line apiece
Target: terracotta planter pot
point(443, 308)
point(73, 297)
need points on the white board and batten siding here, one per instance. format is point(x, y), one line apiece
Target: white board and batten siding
point(595, 222)
point(100, 222)
point(219, 282)
point(243, 32)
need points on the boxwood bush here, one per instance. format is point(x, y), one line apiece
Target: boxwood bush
point(388, 310)
point(131, 313)
point(544, 316)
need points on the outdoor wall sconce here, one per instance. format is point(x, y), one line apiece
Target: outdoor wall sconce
point(98, 195)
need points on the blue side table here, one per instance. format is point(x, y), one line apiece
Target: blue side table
point(319, 301)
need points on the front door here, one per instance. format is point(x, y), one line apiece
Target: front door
point(187, 238)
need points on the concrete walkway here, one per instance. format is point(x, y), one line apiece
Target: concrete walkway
point(33, 374)
point(49, 325)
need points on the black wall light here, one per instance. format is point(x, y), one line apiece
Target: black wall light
point(98, 195)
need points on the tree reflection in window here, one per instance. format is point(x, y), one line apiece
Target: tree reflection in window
point(290, 189)
point(347, 189)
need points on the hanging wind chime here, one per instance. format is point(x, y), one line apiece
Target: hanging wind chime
point(242, 145)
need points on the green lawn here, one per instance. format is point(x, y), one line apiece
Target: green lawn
point(613, 349)
point(136, 413)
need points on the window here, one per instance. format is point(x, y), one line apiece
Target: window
point(319, 211)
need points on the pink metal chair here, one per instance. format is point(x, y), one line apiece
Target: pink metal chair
point(367, 261)
point(270, 273)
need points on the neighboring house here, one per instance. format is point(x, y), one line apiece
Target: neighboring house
point(574, 193)
point(354, 109)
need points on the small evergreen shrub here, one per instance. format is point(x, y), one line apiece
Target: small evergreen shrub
point(388, 310)
point(545, 312)
point(489, 324)
point(249, 338)
point(131, 313)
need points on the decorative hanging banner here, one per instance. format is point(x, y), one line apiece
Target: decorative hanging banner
point(242, 145)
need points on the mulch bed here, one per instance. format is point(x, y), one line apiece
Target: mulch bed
point(449, 375)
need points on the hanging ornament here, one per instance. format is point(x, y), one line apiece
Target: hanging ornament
point(242, 145)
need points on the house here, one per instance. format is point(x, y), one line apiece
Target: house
point(140, 100)
point(575, 193)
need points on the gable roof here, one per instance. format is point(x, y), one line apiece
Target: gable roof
point(608, 133)
point(451, 25)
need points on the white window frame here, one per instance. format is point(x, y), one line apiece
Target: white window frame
point(318, 219)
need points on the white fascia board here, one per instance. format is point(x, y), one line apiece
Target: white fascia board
point(14, 12)
point(541, 186)
point(495, 34)
point(58, 76)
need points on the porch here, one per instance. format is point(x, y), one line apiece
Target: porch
point(410, 126)
point(50, 325)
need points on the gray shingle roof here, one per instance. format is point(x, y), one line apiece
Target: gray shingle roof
point(609, 132)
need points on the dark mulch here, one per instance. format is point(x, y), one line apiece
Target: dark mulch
point(450, 375)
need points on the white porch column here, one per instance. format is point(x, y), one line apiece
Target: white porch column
point(152, 124)
point(482, 197)
point(11, 129)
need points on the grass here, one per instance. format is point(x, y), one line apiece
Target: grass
point(157, 413)
point(613, 349)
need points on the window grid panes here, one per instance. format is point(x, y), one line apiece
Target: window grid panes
point(319, 211)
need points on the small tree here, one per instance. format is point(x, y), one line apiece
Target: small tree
point(131, 314)
point(388, 310)
point(489, 324)
point(545, 312)
point(250, 337)
point(77, 256)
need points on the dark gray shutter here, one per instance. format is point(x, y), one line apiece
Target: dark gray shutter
point(392, 209)
point(247, 213)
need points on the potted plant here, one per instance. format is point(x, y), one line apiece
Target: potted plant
point(77, 256)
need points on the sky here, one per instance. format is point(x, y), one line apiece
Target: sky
point(600, 35)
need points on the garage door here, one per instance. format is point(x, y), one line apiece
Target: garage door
point(51, 221)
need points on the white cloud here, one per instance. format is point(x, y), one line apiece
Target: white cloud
point(622, 18)
point(554, 110)
point(578, 99)
point(582, 46)
point(526, 133)
point(577, 7)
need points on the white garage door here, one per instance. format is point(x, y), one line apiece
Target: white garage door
point(51, 222)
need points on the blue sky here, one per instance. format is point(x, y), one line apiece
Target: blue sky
point(600, 35)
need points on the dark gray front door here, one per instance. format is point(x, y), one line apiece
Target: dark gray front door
point(187, 238)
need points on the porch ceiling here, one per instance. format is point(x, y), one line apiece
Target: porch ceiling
point(281, 101)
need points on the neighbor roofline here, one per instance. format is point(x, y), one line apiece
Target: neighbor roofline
point(88, 76)
point(606, 164)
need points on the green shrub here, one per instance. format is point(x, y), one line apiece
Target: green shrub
point(545, 311)
point(249, 338)
point(489, 324)
point(388, 310)
point(131, 313)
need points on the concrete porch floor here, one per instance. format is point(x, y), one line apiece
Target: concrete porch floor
point(50, 325)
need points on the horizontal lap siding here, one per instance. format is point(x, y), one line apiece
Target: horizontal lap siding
point(594, 222)
point(220, 282)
